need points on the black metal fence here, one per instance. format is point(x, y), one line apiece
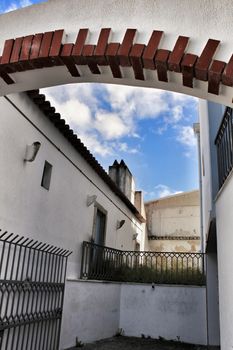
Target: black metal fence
point(32, 281)
point(224, 144)
point(104, 263)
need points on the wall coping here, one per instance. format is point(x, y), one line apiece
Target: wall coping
point(132, 283)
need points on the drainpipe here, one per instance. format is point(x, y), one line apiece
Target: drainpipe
point(196, 129)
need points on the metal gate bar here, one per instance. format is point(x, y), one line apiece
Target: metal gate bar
point(32, 283)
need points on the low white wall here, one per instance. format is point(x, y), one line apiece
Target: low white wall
point(171, 312)
point(224, 221)
point(96, 310)
point(91, 311)
point(212, 299)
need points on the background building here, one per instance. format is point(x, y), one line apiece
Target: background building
point(173, 223)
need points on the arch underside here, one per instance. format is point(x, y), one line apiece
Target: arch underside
point(52, 57)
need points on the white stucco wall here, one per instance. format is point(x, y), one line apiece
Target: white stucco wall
point(210, 115)
point(91, 311)
point(224, 207)
point(168, 245)
point(177, 215)
point(212, 298)
point(171, 312)
point(59, 216)
point(97, 310)
point(206, 165)
point(212, 19)
point(176, 221)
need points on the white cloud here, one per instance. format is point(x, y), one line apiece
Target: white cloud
point(80, 105)
point(16, 5)
point(25, 3)
point(77, 114)
point(123, 147)
point(177, 113)
point(92, 142)
point(110, 125)
point(64, 93)
point(136, 102)
point(71, 103)
point(77, 105)
point(183, 99)
point(11, 7)
point(186, 136)
point(161, 130)
point(102, 115)
point(161, 191)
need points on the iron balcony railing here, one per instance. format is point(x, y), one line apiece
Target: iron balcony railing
point(104, 263)
point(224, 144)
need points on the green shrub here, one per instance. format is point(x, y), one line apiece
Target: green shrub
point(145, 274)
point(161, 273)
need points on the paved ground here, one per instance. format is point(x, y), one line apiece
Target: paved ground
point(130, 343)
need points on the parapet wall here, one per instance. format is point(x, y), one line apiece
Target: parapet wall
point(96, 310)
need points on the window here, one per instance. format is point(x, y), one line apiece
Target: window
point(99, 228)
point(98, 237)
point(46, 177)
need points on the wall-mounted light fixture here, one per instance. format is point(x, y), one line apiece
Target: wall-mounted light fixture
point(135, 235)
point(91, 200)
point(120, 223)
point(31, 151)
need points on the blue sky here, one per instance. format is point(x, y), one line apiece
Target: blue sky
point(150, 129)
point(10, 5)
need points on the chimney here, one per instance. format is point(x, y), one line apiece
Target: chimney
point(120, 174)
point(113, 171)
point(139, 203)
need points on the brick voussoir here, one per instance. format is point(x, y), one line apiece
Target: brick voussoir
point(44, 50)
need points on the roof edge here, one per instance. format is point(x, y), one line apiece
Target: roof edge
point(50, 113)
point(171, 196)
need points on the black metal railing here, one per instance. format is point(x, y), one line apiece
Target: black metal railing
point(104, 263)
point(224, 144)
point(32, 281)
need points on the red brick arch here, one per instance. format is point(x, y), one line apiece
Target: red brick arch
point(43, 50)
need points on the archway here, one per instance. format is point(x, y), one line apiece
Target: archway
point(165, 52)
point(36, 54)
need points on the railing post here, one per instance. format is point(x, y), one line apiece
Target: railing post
point(82, 261)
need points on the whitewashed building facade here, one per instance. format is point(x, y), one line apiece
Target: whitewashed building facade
point(173, 223)
point(216, 166)
point(62, 196)
point(62, 210)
